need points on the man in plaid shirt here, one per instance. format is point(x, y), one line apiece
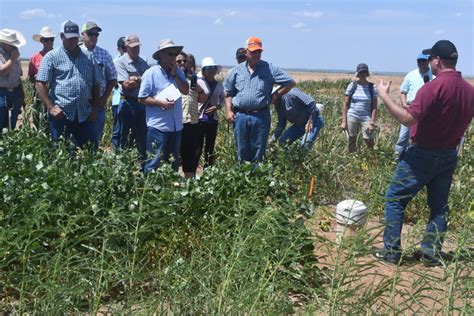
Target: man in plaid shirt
point(74, 89)
point(90, 34)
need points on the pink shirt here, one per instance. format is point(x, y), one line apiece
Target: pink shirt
point(35, 62)
point(443, 108)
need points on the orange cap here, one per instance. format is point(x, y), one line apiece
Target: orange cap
point(253, 44)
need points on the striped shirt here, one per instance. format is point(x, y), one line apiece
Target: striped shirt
point(360, 108)
point(253, 91)
point(106, 66)
point(190, 103)
point(71, 79)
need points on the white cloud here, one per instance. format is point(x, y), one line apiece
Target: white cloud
point(218, 21)
point(458, 14)
point(36, 13)
point(231, 13)
point(301, 26)
point(298, 25)
point(439, 32)
point(310, 14)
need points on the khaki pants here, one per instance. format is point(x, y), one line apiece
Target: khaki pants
point(353, 128)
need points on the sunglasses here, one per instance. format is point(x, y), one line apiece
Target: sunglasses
point(47, 39)
point(422, 60)
point(181, 61)
point(90, 34)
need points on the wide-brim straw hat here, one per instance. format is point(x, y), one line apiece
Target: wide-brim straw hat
point(168, 45)
point(45, 32)
point(12, 37)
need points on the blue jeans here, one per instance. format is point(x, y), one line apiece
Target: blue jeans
point(251, 135)
point(295, 131)
point(81, 133)
point(162, 145)
point(9, 101)
point(403, 137)
point(130, 117)
point(100, 122)
point(417, 168)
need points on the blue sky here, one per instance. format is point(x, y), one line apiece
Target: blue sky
point(337, 34)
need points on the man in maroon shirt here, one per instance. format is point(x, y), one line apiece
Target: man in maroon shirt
point(439, 116)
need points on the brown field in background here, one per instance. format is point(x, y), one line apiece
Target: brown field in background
point(321, 76)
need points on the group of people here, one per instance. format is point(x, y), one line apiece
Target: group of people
point(168, 111)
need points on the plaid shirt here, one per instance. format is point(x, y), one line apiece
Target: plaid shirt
point(70, 80)
point(253, 91)
point(106, 65)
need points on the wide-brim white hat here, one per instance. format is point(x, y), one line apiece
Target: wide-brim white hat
point(167, 44)
point(208, 62)
point(12, 37)
point(45, 32)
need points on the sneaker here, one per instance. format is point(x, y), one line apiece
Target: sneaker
point(381, 255)
point(429, 260)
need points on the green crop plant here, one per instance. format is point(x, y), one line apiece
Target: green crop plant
point(89, 233)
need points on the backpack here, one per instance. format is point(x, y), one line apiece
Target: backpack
point(354, 88)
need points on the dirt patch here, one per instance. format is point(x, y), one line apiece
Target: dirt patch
point(410, 287)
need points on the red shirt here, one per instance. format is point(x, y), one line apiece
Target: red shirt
point(443, 108)
point(35, 62)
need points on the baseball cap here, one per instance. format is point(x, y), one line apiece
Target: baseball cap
point(132, 41)
point(70, 29)
point(241, 52)
point(423, 56)
point(444, 49)
point(89, 26)
point(253, 44)
point(362, 67)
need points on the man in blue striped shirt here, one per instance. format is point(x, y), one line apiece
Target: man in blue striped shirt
point(248, 91)
point(74, 89)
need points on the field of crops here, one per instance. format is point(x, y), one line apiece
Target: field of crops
point(91, 233)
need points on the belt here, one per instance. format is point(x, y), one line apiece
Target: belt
point(237, 110)
point(431, 148)
point(9, 89)
point(128, 98)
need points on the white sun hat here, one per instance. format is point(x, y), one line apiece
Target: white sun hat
point(12, 37)
point(45, 32)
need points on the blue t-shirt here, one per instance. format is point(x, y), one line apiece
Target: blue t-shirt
point(412, 82)
point(360, 108)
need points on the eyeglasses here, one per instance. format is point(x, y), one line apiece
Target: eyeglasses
point(255, 52)
point(181, 61)
point(422, 60)
point(48, 39)
point(90, 34)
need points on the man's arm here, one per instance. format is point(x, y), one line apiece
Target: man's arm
point(228, 107)
point(399, 113)
point(42, 93)
point(151, 101)
point(403, 99)
point(282, 91)
point(7, 66)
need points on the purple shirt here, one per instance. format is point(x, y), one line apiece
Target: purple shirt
point(443, 108)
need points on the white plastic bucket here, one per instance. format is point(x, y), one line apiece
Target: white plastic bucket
point(350, 216)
